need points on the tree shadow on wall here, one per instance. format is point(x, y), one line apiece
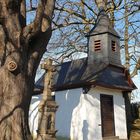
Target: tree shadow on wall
point(67, 102)
point(85, 130)
point(33, 114)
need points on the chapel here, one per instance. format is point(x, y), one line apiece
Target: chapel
point(93, 92)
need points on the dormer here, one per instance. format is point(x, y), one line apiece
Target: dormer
point(103, 42)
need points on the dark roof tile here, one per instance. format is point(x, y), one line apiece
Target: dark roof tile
point(78, 73)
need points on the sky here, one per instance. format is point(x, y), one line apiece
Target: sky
point(136, 97)
point(119, 25)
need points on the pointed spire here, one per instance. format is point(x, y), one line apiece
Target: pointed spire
point(102, 24)
point(103, 39)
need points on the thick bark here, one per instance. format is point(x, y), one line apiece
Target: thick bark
point(14, 105)
point(21, 48)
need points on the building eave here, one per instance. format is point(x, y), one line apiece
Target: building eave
point(78, 74)
point(95, 34)
point(90, 84)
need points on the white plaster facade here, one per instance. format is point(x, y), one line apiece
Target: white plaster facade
point(79, 115)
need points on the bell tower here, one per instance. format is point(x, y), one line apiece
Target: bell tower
point(103, 40)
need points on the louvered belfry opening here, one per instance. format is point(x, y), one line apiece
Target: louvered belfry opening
point(97, 45)
point(113, 46)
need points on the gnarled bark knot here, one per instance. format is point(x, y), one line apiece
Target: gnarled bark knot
point(12, 66)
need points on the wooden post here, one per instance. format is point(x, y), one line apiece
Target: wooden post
point(47, 106)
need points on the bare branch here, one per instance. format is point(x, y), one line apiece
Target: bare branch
point(23, 13)
point(72, 12)
point(89, 7)
point(48, 13)
point(137, 67)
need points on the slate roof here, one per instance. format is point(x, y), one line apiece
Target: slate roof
point(78, 73)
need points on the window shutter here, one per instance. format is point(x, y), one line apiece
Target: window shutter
point(97, 45)
point(113, 46)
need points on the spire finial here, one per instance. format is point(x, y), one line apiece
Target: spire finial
point(101, 4)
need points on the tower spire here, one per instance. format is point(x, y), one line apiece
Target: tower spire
point(103, 41)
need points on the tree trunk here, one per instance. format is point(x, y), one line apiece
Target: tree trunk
point(21, 49)
point(15, 99)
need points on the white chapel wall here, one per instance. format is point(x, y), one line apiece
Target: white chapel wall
point(119, 110)
point(76, 117)
point(79, 115)
point(33, 114)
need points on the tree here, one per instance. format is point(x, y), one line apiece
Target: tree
point(21, 49)
point(22, 46)
point(74, 19)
